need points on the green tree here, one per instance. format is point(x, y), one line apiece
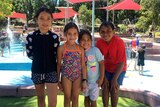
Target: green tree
point(150, 14)
point(29, 7)
point(85, 15)
point(5, 8)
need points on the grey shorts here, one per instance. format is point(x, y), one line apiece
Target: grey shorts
point(51, 77)
point(92, 91)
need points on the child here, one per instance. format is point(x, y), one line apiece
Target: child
point(23, 38)
point(113, 49)
point(71, 64)
point(42, 47)
point(141, 58)
point(95, 68)
point(4, 42)
point(134, 47)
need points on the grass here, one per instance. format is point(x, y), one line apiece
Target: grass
point(31, 102)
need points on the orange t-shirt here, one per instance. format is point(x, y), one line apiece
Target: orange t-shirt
point(114, 53)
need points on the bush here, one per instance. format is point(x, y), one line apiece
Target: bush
point(97, 21)
point(157, 35)
point(122, 28)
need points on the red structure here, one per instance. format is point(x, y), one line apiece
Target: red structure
point(79, 1)
point(65, 13)
point(123, 5)
point(17, 15)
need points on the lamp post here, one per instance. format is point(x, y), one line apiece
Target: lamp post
point(26, 12)
point(113, 11)
point(107, 12)
point(93, 13)
point(66, 13)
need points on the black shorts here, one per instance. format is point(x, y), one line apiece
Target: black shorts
point(51, 77)
point(133, 54)
point(140, 62)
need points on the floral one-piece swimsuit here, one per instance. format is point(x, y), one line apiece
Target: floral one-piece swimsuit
point(71, 66)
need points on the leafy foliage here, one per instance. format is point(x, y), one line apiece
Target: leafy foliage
point(29, 7)
point(150, 14)
point(85, 15)
point(5, 8)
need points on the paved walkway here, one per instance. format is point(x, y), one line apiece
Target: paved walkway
point(149, 81)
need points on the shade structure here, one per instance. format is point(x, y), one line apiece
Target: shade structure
point(79, 1)
point(64, 13)
point(59, 15)
point(123, 5)
point(17, 15)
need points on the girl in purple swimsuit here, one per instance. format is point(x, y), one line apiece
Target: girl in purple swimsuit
point(71, 65)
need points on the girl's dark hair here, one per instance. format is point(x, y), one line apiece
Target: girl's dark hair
point(107, 24)
point(43, 9)
point(83, 32)
point(24, 31)
point(69, 26)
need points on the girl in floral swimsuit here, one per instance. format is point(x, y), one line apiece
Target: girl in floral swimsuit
point(71, 65)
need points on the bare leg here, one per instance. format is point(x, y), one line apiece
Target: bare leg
point(40, 90)
point(139, 70)
point(135, 63)
point(76, 88)
point(9, 50)
point(105, 94)
point(87, 102)
point(93, 104)
point(2, 52)
point(52, 94)
point(130, 61)
point(142, 70)
point(114, 97)
point(67, 86)
point(23, 51)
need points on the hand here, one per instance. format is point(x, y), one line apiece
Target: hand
point(84, 86)
point(105, 83)
point(99, 82)
point(60, 86)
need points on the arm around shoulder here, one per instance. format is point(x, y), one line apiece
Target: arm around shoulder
point(84, 69)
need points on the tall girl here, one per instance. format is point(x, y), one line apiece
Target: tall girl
point(42, 49)
point(71, 65)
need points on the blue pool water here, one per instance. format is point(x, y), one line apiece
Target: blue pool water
point(15, 60)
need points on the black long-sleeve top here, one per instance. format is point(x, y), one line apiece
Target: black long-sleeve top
point(42, 49)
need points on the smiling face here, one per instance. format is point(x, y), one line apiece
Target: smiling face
point(71, 35)
point(44, 21)
point(106, 32)
point(86, 42)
